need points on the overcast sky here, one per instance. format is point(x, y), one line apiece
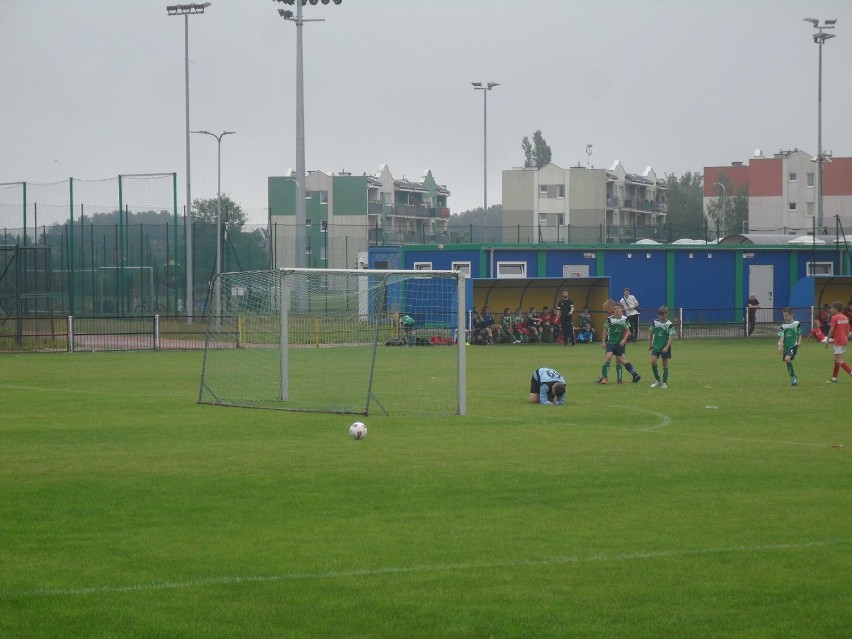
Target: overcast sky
point(95, 88)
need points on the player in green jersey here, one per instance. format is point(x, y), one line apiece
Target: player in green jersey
point(660, 345)
point(616, 332)
point(789, 340)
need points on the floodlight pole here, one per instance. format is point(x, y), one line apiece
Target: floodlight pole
point(819, 38)
point(187, 10)
point(300, 257)
point(485, 87)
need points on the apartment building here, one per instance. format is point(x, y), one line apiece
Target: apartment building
point(345, 214)
point(580, 205)
point(782, 192)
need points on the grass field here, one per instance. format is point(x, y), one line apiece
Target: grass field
point(127, 510)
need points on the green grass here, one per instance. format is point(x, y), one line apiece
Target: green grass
point(127, 510)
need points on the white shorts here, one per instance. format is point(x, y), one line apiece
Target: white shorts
point(839, 350)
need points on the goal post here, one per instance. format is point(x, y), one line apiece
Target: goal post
point(338, 341)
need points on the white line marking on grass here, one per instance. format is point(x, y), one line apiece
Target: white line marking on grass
point(665, 420)
point(402, 570)
point(77, 391)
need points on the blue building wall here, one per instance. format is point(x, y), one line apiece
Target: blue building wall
point(698, 277)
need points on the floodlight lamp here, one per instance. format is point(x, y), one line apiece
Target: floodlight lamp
point(287, 15)
point(172, 8)
point(314, 1)
point(491, 85)
point(813, 21)
point(821, 37)
point(830, 23)
point(477, 84)
point(204, 5)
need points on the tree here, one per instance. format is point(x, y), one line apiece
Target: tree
point(536, 153)
point(233, 216)
point(685, 198)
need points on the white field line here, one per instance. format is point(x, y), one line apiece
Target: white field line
point(663, 421)
point(414, 570)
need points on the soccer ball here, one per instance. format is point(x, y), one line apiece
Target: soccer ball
point(358, 430)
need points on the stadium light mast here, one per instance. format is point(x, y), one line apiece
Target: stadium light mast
point(485, 87)
point(187, 10)
point(218, 217)
point(300, 231)
point(819, 38)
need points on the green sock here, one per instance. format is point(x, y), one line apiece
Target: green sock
point(656, 372)
point(605, 371)
point(665, 375)
point(619, 372)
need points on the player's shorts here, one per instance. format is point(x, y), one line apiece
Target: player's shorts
point(616, 349)
point(791, 352)
point(663, 354)
point(839, 350)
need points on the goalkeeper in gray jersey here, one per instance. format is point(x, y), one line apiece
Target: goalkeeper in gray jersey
point(547, 387)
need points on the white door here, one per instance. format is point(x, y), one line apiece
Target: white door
point(760, 283)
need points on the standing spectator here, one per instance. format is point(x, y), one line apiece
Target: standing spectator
point(630, 305)
point(662, 336)
point(565, 315)
point(789, 340)
point(752, 305)
point(547, 387)
point(839, 332)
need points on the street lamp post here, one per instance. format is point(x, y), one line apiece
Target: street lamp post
point(724, 198)
point(218, 269)
point(187, 10)
point(300, 231)
point(485, 87)
point(819, 38)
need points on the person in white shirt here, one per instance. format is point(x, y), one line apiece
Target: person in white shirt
point(631, 310)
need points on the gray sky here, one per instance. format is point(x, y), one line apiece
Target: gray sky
point(95, 88)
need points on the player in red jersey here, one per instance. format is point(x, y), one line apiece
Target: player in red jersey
point(839, 332)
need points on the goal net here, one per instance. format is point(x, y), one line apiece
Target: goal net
point(337, 341)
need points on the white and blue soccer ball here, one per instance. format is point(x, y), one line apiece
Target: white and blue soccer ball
point(358, 430)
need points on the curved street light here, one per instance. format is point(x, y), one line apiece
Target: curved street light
point(218, 217)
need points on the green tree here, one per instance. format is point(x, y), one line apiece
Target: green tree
point(536, 153)
point(685, 198)
point(233, 216)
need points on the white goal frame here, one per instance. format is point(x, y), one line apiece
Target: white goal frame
point(376, 301)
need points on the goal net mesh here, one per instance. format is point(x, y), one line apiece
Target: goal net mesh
point(340, 341)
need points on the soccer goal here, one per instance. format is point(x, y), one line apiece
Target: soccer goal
point(337, 341)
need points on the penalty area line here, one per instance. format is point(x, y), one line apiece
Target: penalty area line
point(422, 569)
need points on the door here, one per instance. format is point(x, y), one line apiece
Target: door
point(760, 283)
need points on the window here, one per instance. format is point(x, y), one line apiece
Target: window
point(810, 179)
point(423, 266)
point(307, 221)
point(323, 197)
point(560, 219)
point(560, 191)
point(542, 218)
point(809, 209)
point(462, 267)
point(512, 270)
point(791, 206)
point(792, 177)
point(542, 190)
point(819, 268)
